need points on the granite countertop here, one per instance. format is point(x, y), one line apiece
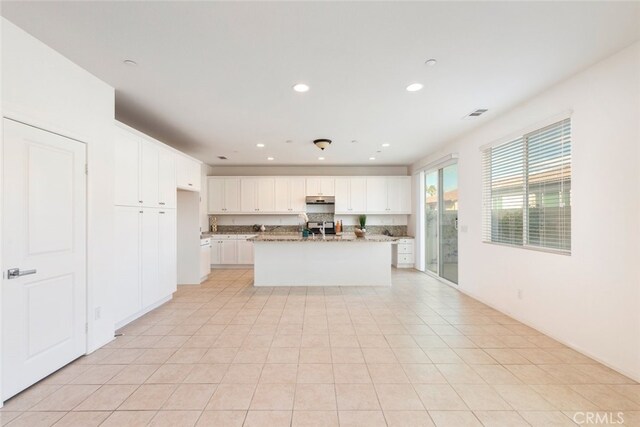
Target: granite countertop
point(347, 237)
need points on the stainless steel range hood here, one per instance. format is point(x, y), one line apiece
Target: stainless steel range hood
point(321, 200)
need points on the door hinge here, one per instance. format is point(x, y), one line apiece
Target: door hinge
point(86, 169)
point(86, 328)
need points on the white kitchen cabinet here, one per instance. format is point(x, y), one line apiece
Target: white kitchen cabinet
point(403, 253)
point(149, 174)
point(215, 251)
point(223, 195)
point(150, 257)
point(245, 252)
point(351, 195)
point(187, 173)
point(231, 249)
point(320, 186)
point(167, 250)
point(257, 195)
point(127, 161)
point(376, 195)
point(145, 172)
point(289, 195)
point(229, 252)
point(167, 179)
point(126, 283)
point(388, 195)
point(145, 257)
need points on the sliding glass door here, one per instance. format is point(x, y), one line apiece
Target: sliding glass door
point(441, 222)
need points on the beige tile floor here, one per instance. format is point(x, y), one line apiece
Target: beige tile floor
point(417, 354)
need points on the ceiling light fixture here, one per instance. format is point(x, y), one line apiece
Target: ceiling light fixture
point(430, 62)
point(269, 158)
point(301, 87)
point(386, 144)
point(322, 143)
point(260, 145)
point(130, 62)
point(372, 158)
point(414, 87)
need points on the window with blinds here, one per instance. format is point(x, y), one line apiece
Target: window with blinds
point(527, 190)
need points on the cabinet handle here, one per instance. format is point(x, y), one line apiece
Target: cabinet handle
point(139, 201)
point(190, 184)
point(141, 211)
point(161, 212)
point(161, 203)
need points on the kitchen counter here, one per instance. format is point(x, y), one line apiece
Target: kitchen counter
point(319, 239)
point(291, 260)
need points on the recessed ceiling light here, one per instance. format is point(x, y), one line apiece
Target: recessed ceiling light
point(320, 158)
point(430, 62)
point(269, 158)
point(130, 62)
point(301, 87)
point(353, 141)
point(386, 144)
point(414, 87)
point(372, 158)
point(259, 145)
point(288, 141)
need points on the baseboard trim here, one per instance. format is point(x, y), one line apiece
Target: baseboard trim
point(632, 375)
point(142, 312)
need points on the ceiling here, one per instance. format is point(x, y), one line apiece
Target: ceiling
point(215, 79)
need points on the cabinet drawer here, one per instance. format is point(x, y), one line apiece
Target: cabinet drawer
point(405, 241)
point(405, 248)
point(405, 259)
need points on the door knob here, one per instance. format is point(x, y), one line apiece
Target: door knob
point(14, 273)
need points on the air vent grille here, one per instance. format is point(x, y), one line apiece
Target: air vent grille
point(476, 113)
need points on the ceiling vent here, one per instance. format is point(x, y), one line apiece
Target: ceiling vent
point(476, 113)
point(222, 157)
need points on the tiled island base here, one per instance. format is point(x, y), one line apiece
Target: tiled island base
point(416, 354)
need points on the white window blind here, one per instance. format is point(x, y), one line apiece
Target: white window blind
point(527, 189)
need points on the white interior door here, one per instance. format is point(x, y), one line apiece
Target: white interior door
point(44, 236)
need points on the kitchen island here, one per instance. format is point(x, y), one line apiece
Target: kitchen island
point(293, 260)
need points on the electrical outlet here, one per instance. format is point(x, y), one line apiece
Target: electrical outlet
point(98, 313)
point(519, 293)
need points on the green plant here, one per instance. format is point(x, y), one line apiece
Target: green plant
point(362, 219)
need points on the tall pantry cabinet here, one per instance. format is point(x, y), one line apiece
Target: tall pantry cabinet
point(145, 224)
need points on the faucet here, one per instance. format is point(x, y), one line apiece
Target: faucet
point(324, 225)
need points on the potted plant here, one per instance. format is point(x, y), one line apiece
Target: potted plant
point(362, 220)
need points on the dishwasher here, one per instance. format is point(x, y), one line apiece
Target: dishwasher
point(205, 258)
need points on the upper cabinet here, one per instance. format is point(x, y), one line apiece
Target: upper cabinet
point(127, 160)
point(286, 195)
point(290, 195)
point(351, 195)
point(223, 195)
point(146, 173)
point(187, 173)
point(321, 186)
point(257, 195)
point(388, 195)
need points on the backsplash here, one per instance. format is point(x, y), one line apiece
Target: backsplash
point(395, 230)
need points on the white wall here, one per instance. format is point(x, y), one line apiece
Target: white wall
point(44, 89)
point(591, 299)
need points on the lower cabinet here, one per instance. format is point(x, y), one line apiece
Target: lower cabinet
point(403, 253)
point(145, 259)
point(231, 249)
